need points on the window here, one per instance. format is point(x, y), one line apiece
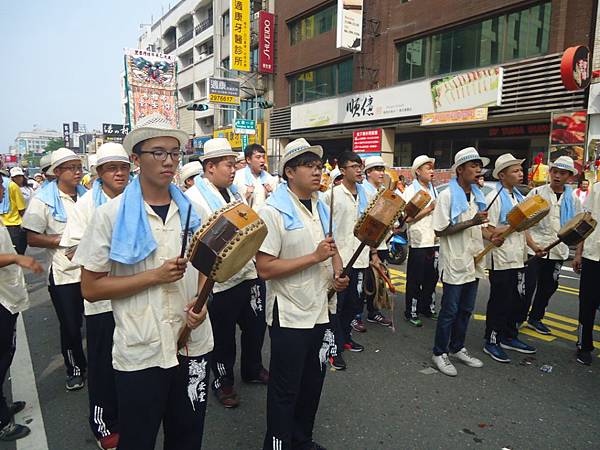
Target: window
point(225, 23)
point(318, 23)
point(517, 35)
point(325, 81)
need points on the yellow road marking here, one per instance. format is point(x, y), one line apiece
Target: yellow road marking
point(568, 319)
point(555, 324)
point(537, 335)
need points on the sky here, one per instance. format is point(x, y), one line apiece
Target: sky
point(63, 59)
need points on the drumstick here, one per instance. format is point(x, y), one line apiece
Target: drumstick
point(200, 301)
point(545, 250)
point(186, 231)
point(330, 234)
point(348, 266)
point(494, 199)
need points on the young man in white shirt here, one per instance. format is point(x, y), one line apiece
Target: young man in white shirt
point(457, 219)
point(422, 265)
point(188, 173)
point(506, 264)
point(587, 263)
point(253, 182)
point(45, 221)
point(238, 300)
point(541, 276)
point(113, 169)
point(13, 300)
point(300, 264)
point(130, 253)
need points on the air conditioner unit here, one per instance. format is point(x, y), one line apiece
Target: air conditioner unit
point(203, 56)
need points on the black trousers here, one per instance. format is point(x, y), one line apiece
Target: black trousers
point(18, 236)
point(349, 304)
point(68, 304)
point(102, 391)
point(507, 289)
point(242, 305)
point(421, 278)
point(8, 336)
point(297, 371)
point(589, 301)
point(541, 279)
point(175, 397)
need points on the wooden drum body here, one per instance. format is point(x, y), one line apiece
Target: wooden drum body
point(380, 215)
point(230, 238)
point(528, 213)
point(416, 204)
point(577, 229)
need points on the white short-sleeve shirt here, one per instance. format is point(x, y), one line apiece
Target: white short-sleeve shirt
point(546, 231)
point(591, 246)
point(13, 291)
point(202, 208)
point(259, 195)
point(38, 218)
point(148, 323)
point(76, 225)
point(458, 250)
point(301, 297)
point(420, 233)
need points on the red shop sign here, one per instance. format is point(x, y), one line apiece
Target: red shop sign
point(575, 68)
point(266, 32)
point(367, 141)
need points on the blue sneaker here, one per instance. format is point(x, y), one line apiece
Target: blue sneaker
point(538, 326)
point(517, 345)
point(496, 352)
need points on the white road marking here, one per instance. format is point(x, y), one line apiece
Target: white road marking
point(24, 388)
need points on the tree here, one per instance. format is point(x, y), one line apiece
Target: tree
point(54, 144)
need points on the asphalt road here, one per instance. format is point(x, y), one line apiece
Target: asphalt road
point(389, 398)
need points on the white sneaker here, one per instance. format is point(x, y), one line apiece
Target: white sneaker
point(463, 356)
point(443, 364)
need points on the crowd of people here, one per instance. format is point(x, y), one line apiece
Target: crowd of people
point(115, 260)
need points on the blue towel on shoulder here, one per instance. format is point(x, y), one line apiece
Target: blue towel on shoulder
point(99, 196)
point(417, 187)
point(214, 201)
point(50, 195)
point(506, 203)
point(5, 204)
point(458, 200)
point(567, 206)
point(132, 239)
point(363, 201)
point(369, 188)
point(250, 177)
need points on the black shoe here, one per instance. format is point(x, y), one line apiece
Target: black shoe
point(13, 431)
point(337, 362)
point(16, 407)
point(318, 447)
point(584, 357)
point(354, 347)
point(74, 383)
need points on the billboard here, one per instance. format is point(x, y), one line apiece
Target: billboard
point(67, 135)
point(223, 90)
point(266, 31)
point(567, 137)
point(349, 25)
point(452, 117)
point(239, 39)
point(114, 132)
point(150, 85)
point(367, 141)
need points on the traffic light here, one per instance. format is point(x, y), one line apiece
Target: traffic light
point(197, 107)
point(265, 105)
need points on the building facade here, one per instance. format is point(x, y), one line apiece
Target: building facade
point(429, 56)
point(34, 141)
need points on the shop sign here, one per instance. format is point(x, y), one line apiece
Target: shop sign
point(236, 140)
point(198, 142)
point(67, 135)
point(114, 132)
point(398, 101)
point(349, 25)
point(239, 38)
point(473, 89)
point(244, 126)
point(266, 31)
point(519, 130)
point(453, 117)
point(367, 141)
point(568, 128)
point(575, 68)
point(224, 91)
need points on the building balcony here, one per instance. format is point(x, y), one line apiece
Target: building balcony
point(170, 47)
point(185, 37)
point(204, 25)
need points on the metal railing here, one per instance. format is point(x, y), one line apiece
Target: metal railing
point(185, 37)
point(204, 25)
point(170, 47)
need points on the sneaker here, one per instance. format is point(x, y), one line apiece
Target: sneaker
point(380, 319)
point(354, 347)
point(358, 326)
point(517, 345)
point(109, 442)
point(443, 364)
point(463, 356)
point(538, 326)
point(261, 378)
point(13, 431)
point(430, 315)
point(337, 362)
point(74, 383)
point(16, 407)
point(227, 397)
point(496, 352)
point(584, 357)
point(414, 320)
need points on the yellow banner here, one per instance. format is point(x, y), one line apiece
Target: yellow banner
point(458, 116)
point(239, 57)
point(220, 98)
point(236, 139)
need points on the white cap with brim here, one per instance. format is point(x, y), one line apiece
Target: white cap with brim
point(109, 152)
point(16, 171)
point(419, 161)
point(296, 148)
point(564, 163)
point(190, 170)
point(466, 155)
point(217, 148)
point(153, 126)
point(374, 161)
point(504, 161)
point(61, 156)
point(46, 161)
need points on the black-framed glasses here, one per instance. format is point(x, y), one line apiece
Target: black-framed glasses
point(354, 166)
point(314, 165)
point(161, 155)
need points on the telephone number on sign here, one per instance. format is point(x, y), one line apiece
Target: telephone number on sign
point(229, 99)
